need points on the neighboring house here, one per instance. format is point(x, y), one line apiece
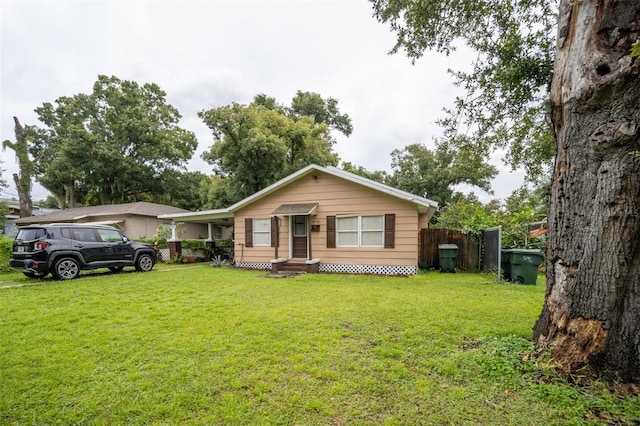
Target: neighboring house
point(14, 213)
point(538, 229)
point(137, 220)
point(327, 220)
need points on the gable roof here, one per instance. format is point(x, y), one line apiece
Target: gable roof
point(420, 201)
point(423, 204)
point(139, 208)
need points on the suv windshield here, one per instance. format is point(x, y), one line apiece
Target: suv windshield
point(30, 234)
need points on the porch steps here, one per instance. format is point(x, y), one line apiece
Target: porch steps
point(295, 266)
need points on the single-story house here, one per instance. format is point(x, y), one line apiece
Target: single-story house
point(325, 219)
point(137, 220)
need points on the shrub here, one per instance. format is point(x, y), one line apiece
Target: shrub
point(6, 245)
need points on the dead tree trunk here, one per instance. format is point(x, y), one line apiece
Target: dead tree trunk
point(591, 314)
point(22, 180)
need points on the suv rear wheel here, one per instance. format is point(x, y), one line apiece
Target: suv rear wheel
point(144, 263)
point(66, 269)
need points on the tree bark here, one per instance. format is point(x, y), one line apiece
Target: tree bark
point(591, 314)
point(23, 180)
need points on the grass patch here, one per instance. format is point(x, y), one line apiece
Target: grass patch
point(201, 345)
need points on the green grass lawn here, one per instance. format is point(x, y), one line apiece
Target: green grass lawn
point(200, 345)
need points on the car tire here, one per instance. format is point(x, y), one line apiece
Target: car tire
point(116, 269)
point(66, 269)
point(144, 263)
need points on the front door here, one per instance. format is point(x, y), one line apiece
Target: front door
point(300, 240)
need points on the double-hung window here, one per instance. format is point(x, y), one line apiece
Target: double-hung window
point(360, 231)
point(261, 232)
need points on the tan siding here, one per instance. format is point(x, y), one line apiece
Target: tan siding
point(341, 198)
point(423, 221)
point(227, 232)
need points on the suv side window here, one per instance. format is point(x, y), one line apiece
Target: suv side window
point(83, 234)
point(110, 236)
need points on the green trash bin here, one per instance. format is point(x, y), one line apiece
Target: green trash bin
point(448, 257)
point(524, 265)
point(505, 264)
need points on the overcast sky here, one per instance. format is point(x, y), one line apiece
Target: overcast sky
point(206, 54)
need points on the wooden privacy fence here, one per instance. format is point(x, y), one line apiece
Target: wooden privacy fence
point(429, 255)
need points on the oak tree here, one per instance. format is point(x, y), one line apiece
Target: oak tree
point(259, 143)
point(434, 173)
point(112, 145)
point(506, 87)
point(592, 303)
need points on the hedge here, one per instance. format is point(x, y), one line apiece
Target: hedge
point(6, 247)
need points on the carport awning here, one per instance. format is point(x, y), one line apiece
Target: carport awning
point(295, 209)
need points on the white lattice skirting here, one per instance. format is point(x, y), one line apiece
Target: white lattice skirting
point(266, 266)
point(165, 254)
point(345, 269)
point(369, 269)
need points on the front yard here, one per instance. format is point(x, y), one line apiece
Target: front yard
point(202, 345)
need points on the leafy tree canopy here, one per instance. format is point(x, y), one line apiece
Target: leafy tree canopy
point(522, 208)
point(259, 143)
point(323, 111)
point(216, 192)
point(112, 145)
point(434, 173)
point(377, 175)
point(468, 213)
point(504, 107)
point(182, 189)
point(51, 202)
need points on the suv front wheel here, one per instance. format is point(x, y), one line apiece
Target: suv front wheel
point(144, 263)
point(66, 269)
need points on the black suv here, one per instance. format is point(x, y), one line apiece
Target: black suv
point(64, 249)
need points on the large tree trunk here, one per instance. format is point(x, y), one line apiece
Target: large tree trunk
point(591, 314)
point(23, 181)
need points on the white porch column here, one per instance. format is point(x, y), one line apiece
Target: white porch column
point(209, 231)
point(174, 236)
point(175, 245)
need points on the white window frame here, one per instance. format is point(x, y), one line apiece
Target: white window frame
point(359, 231)
point(257, 234)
